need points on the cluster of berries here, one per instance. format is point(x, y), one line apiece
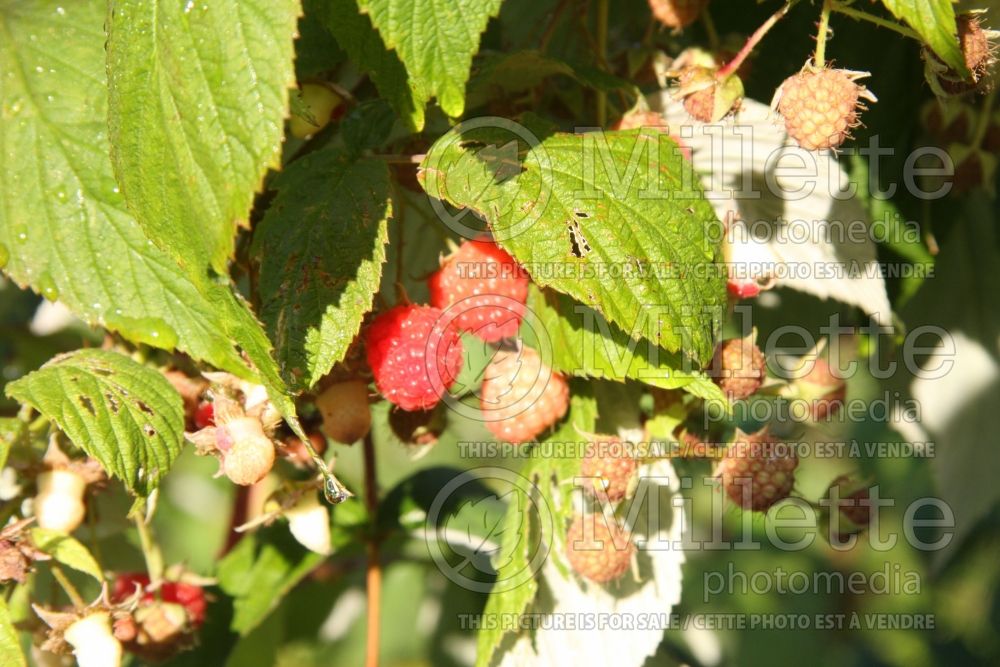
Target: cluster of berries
point(597, 547)
point(415, 352)
point(151, 621)
point(819, 105)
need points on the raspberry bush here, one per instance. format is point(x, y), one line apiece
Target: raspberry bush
point(531, 320)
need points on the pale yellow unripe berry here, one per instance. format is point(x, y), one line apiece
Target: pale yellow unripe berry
point(247, 452)
point(344, 407)
point(309, 523)
point(59, 503)
point(321, 103)
point(93, 641)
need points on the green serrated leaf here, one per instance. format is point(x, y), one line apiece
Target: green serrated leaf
point(616, 220)
point(64, 228)
point(519, 534)
point(355, 34)
point(583, 343)
point(11, 654)
point(11, 430)
point(512, 558)
point(934, 21)
point(367, 125)
point(498, 75)
point(124, 414)
point(435, 40)
point(321, 247)
point(198, 96)
point(260, 571)
point(66, 550)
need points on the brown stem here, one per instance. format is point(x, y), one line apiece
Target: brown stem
point(752, 42)
point(238, 517)
point(395, 158)
point(550, 29)
point(373, 574)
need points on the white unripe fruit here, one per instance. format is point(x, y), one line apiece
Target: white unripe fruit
point(309, 522)
point(59, 503)
point(93, 641)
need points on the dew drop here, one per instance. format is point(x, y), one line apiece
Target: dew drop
point(149, 330)
point(21, 233)
point(47, 286)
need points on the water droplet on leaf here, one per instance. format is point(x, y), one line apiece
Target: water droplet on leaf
point(149, 330)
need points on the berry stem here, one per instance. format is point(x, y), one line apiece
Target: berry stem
point(373, 573)
point(983, 125)
point(729, 68)
point(67, 585)
point(150, 551)
point(881, 22)
point(819, 60)
point(550, 29)
point(710, 31)
point(602, 57)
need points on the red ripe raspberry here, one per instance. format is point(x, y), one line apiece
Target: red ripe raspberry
point(677, 13)
point(483, 288)
point(738, 367)
point(756, 471)
point(820, 106)
point(204, 416)
point(611, 467)
point(414, 354)
point(598, 549)
point(824, 390)
point(521, 397)
point(189, 596)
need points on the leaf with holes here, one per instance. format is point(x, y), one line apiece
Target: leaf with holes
point(355, 34)
point(198, 96)
point(321, 246)
point(435, 40)
point(124, 414)
point(934, 21)
point(583, 343)
point(616, 220)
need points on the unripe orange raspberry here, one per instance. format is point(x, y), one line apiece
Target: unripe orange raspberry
point(757, 471)
point(820, 106)
point(677, 13)
point(611, 467)
point(598, 549)
point(521, 397)
point(738, 367)
point(977, 52)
